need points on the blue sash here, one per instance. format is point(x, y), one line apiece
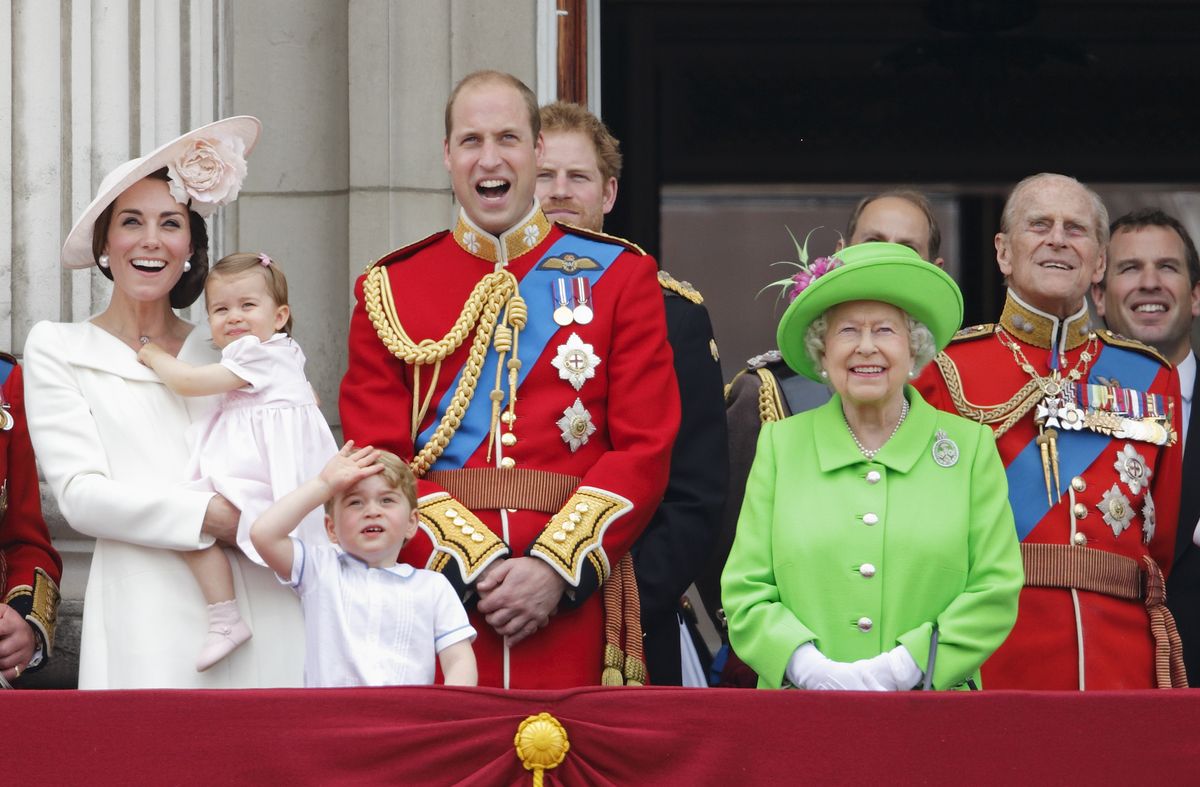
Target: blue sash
point(540, 328)
point(1076, 450)
point(5, 370)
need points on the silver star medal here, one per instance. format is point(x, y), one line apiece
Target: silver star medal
point(576, 425)
point(1148, 520)
point(575, 361)
point(945, 450)
point(1116, 509)
point(1132, 469)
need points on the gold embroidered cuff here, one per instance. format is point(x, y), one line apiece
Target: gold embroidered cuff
point(458, 533)
point(576, 533)
point(42, 600)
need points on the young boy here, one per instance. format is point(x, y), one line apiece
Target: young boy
point(367, 620)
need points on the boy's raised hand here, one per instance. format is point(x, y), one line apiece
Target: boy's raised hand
point(349, 466)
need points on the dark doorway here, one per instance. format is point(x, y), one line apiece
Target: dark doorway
point(958, 97)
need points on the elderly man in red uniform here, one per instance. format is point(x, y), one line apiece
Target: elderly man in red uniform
point(30, 568)
point(1087, 424)
point(523, 367)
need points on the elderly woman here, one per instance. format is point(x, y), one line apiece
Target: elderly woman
point(875, 542)
point(111, 437)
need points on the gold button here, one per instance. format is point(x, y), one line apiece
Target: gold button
point(508, 463)
point(508, 418)
point(1078, 484)
point(508, 439)
point(1080, 539)
point(1080, 510)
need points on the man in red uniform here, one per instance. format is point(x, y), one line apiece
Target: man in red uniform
point(524, 368)
point(30, 568)
point(1087, 425)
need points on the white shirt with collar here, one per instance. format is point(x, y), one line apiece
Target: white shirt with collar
point(368, 626)
point(1187, 380)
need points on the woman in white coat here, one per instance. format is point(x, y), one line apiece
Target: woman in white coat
point(110, 437)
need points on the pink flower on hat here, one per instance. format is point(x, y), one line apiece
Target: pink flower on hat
point(806, 272)
point(806, 276)
point(208, 172)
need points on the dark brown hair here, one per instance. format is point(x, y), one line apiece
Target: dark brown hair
point(191, 283)
point(1153, 217)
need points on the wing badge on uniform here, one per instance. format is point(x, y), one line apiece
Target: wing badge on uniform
point(570, 264)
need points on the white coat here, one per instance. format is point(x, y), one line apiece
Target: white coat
point(111, 440)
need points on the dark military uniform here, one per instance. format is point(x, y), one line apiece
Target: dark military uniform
point(669, 555)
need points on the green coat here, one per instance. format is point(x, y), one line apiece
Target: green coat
point(807, 566)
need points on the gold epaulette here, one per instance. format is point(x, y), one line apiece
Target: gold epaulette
point(1117, 340)
point(603, 237)
point(770, 398)
point(681, 288)
point(404, 252)
point(974, 332)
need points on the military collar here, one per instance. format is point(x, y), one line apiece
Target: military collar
point(836, 448)
point(521, 238)
point(1032, 326)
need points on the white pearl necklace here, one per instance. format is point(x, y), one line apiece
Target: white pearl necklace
point(870, 454)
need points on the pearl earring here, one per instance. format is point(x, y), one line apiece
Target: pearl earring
point(187, 265)
point(102, 261)
point(912, 374)
point(824, 374)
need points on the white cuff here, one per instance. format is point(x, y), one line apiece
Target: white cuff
point(904, 667)
point(804, 661)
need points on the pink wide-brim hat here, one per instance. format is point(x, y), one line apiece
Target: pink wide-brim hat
point(77, 249)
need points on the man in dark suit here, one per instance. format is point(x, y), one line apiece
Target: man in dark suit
point(1151, 292)
point(577, 184)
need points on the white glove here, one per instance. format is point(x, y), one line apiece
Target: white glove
point(892, 670)
point(808, 668)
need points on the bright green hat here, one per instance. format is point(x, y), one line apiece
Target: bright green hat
point(886, 272)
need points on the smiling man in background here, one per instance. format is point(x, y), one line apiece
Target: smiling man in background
point(1151, 291)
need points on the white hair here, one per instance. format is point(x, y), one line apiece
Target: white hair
point(920, 341)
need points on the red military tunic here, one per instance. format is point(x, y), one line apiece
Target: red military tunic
point(1067, 637)
point(597, 410)
point(30, 568)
